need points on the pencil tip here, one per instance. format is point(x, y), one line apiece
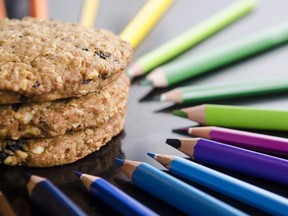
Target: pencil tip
point(156, 98)
point(146, 82)
point(152, 155)
point(119, 162)
point(181, 130)
point(78, 173)
point(129, 74)
point(174, 143)
point(179, 113)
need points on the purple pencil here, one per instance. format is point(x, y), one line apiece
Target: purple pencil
point(234, 158)
point(257, 142)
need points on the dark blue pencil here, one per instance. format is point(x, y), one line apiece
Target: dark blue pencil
point(49, 199)
point(222, 183)
point(173, 191)
point(114, 197)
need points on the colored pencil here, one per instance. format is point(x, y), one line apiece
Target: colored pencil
point(248, 140)
point(233, 158)
point(144, 21)
point(205, 93)
point(181, 70)
point(50, 199)
point(39, 9)
point(2, 9)
point(173, 191)
point(114, 197)
point(225, 184)
point(186, 40)
point(5, 208)
point(89, 12)
point(236, 117)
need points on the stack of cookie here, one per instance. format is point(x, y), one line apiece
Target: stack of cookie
point(63, 93)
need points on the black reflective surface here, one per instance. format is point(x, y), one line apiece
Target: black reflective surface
point(149, 122)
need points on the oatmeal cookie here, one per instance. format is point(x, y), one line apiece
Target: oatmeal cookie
point(44, 60)
point(48, 152)
point(50, 119)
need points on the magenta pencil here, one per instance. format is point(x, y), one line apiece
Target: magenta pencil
point(254, 141)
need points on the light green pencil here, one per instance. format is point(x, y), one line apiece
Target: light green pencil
point(236, 117)
point(190, 38)
point(178, 71)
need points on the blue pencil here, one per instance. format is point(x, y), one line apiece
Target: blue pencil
point(49, 199)
point(222, 183)
point(114, 197)
point(173, 191)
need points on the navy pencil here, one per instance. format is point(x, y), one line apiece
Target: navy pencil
point(114, 197)
point(173, 191)
point(222, 183)
point(49, 199)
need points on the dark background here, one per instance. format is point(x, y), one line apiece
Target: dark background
point(149, 122)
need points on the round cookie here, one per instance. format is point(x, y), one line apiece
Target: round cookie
point(44, 60)
point(62, 149)
point(50, 119)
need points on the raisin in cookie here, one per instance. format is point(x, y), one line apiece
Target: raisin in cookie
point(44, 60)
point(50, 119)
point(70, 147)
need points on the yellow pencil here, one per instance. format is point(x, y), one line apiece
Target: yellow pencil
point(89, 12)
point(143, 22)
point(2, 9)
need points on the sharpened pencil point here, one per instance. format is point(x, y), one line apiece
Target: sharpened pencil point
point(183, 131)
point(152, 155)
point(156, 98)
point(174, 143)
point(78, 173)
point(179, 113)
point(146, 82)
point(119, 162)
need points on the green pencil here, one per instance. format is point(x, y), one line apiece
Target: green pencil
point(205, 93)
point(236, 117)
point(177, 71)
point(190, 38)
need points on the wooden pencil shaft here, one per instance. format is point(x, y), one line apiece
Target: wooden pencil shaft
point(254, 141)
point(144, 21)
point(2, 9)
point(181, 70)
point(39, 8)
point(235, 84)
point(240, 160)
point(237, 189)
point(179, 194)
point(203, 93)
point(51, 200)
point(117, 199)
point(234, 92)
point(245, 117)
point(5, 208)
point(89, 12)
point(190, 38)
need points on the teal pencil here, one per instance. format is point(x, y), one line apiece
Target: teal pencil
point(186, 40)
point(207, 93)
point(177, 71)
point(222, 183)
